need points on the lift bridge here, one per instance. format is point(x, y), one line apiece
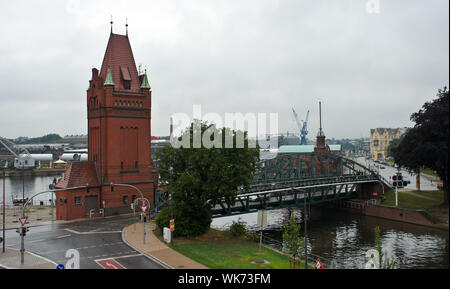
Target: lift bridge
point(291, 179)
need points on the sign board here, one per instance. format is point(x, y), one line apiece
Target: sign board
point(318, 265)
point(262, 218)
point(23, 221)
point(166, 234)
point(172, 225)
point(144, 208)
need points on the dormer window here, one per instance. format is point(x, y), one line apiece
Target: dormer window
point(126, 78)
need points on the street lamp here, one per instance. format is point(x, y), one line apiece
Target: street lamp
point(143, 203)
point(305, 241)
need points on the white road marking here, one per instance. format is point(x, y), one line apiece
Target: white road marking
point(37, 240)
point(91, 232)
point(63, 236)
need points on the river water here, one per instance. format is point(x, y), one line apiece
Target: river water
point(31, 185)
point(339, 237)
point(342, 238)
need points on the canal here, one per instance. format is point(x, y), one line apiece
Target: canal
point(342, 238)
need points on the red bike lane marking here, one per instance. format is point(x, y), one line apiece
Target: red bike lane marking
point(109, 264)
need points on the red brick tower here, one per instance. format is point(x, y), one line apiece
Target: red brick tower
point(119, 137)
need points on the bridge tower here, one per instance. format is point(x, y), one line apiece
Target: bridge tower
point(119, 136)
point(321, 147)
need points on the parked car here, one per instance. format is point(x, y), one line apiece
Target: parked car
point(440, 186)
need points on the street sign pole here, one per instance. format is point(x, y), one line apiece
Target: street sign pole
point(305, 241)
point(396, 196)
point(4, 214)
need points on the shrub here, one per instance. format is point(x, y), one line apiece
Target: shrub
point(238, 228)
point(189, 221)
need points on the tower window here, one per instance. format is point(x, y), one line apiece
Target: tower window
point(126, 77)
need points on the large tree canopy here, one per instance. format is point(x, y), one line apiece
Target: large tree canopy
point(426, 144)
point(199, 177)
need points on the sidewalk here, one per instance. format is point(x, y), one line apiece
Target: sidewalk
point(10, 259)
point(155, 249)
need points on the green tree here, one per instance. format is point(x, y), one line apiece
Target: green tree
point(199, 177)
point(291, 238)
point(426, 144)
point(394, 144)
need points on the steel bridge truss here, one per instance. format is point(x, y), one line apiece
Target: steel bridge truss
point(289, 180)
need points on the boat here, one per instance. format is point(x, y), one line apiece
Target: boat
point(19, 201)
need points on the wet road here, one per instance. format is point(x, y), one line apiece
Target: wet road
point(389, 171)
point(95, 240)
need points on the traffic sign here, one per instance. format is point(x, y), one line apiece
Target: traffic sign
point(318, 264)
point(172, 225)
point(23, 221)
point(144, 208)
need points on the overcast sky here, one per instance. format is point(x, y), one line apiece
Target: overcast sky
point(368, 69)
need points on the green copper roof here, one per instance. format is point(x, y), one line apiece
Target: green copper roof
point(145, 83)
point(109, 80)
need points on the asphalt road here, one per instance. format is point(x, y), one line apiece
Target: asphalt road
point(97, 242)
point(389, 171)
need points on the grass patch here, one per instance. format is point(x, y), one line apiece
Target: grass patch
point(410, 202)
point(219, 250)
point(438, 195)
point(430, 172)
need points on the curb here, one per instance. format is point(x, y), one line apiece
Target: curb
point(154, 259)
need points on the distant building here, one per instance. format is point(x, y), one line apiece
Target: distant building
point(380, 138)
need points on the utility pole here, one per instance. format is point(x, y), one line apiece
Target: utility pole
point(305, 241)
point(22, 248)
point(4, 214)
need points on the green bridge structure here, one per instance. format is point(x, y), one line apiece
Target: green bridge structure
point(290, 180)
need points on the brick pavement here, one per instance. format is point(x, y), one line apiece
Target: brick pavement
point(156, 249)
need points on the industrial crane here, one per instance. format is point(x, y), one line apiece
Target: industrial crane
point(302, 127)
point(21, 161)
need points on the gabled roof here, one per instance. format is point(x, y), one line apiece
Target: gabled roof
point(79, 174)
point(119, 58)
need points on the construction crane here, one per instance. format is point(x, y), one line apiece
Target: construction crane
point(302, 127)
point(21, 161)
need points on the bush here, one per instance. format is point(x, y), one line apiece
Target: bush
point(238, 228)
point(189, 221)
point(254, 237)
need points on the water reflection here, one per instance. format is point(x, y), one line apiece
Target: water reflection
point(31, 185)
point(343, 238)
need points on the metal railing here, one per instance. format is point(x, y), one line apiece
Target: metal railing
point(278, 245)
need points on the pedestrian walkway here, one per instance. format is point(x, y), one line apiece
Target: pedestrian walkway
point(156, 249)
point(10, 259)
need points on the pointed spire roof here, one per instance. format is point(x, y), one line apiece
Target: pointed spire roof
point(145, 83)
point(120, 60)
point(109, 80)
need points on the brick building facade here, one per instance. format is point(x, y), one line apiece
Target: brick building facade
point(119, 140)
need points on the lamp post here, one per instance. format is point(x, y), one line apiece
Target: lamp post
point(4, 214)
point(143, 203)
point(305, 241)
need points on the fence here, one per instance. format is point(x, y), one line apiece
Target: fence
point(312, 258)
